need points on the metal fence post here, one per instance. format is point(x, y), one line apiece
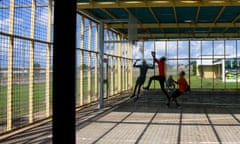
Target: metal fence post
point(101, 58)
point(64, 74)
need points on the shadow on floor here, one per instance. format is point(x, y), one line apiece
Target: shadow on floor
point(205, 117)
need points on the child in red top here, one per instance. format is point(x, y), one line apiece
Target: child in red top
point(182, 87)
point(161, 77)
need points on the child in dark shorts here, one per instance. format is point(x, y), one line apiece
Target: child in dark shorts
point(141, 79)
point(182, 87)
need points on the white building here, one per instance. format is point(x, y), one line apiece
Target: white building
point(221, 67)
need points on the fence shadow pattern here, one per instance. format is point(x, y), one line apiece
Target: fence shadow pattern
point(200, 120)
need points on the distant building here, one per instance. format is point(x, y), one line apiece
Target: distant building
point(21, 76)
point(221, 67)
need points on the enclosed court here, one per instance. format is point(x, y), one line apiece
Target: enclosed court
point(77, 77)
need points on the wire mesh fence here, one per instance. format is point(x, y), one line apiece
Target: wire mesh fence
point(26, 59)
point(115, 63)
point(209, 64)
point(26, 62)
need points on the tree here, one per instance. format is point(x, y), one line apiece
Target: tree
point(234, 64)
point(84, 66)
point(227, 64)
point(194, 67)
point(36, 66)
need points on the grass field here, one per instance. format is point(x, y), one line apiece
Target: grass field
point(20, 100)
point(198, 83)
point(20, 93)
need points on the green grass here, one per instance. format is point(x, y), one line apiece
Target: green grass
point(20, 99)
point(197, 83)
point(86, 92)
point(20, 93)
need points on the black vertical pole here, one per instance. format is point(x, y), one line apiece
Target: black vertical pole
point(100, 61)
point(64, 72)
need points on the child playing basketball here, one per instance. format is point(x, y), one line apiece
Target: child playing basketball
point(182, 87)
point(141, 79)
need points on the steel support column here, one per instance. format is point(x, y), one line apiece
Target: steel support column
point(64, 77)
point(119, 65)
point(10, 65)
point(111, 71)
point(96, 62)
point(89, 94)
point(48, 51)
point(130, 64)
point(81, 61)
point(100, 61)
point(31, 63)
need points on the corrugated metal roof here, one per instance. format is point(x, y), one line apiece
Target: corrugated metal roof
point(196, 18)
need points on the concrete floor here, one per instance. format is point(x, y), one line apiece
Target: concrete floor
point(150, 121)
point(208, 117)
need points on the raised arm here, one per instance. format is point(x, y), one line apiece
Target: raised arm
point(134, 65)
point(152, 66)
point(177, 82)
point(154, 56)
point(155, 59)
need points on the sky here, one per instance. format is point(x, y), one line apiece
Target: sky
point(179, 49)
point(22, 22)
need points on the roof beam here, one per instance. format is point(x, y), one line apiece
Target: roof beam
point(108, 13)
point(152, 3)
point(179, 25)
point(190, 35)
point(219, 14)
point(226, 29)
point(236, 18)
point(130, 13)
point(175, 14)
point(234, 21)
point(176, 18)
point(216, 18)
point(197, 15)
point(90, 14)
point(154, 15)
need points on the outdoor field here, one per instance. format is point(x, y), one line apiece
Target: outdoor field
point(20, 99)
point(197, 83)
point(20, 93)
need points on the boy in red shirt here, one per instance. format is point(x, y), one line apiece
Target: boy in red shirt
point(182, 87)
point(161, 77)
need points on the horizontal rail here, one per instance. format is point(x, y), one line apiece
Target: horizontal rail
point(24, 38)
